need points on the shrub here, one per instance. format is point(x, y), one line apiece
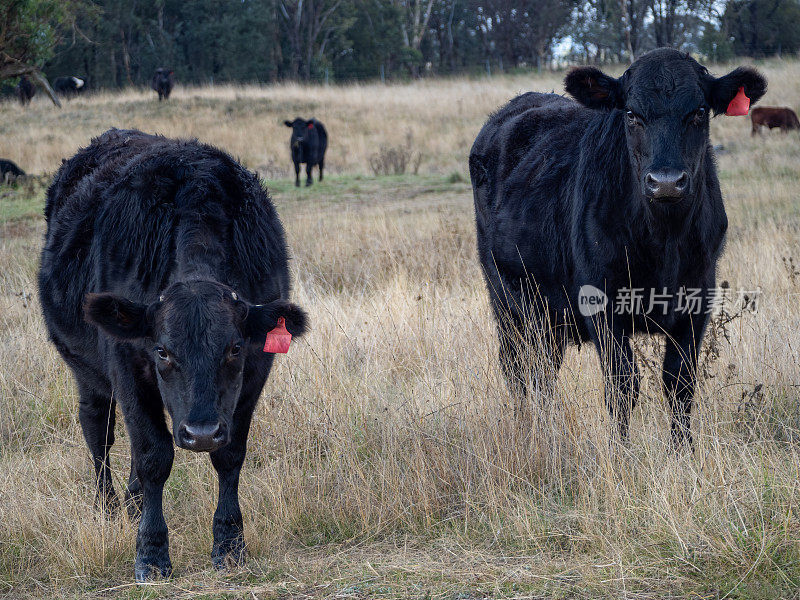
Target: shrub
point(394, 160)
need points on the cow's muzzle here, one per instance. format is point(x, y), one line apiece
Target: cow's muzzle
point(666, 185)
point(202, 437)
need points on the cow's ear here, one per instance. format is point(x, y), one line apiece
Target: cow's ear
point(287, 123)
point(593, 88)
point(118, 316)
point(261, 318)
point(720, 91)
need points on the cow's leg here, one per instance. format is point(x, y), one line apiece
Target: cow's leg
point(619, 368)
point(151, 446)
point(133, 494)
point(309, 178)
point(512, 360)
point(297, 174)
point(97, 415)
point(228, 525)
point(321, 168)
point(680, 374)
point(754, 129)
point(528, 352)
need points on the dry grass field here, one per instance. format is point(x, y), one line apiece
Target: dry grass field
point(385, 460)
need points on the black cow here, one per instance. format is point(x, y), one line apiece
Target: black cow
point(69, 86)
point(9, 171)
point(25, 90)
point(578, 205)
point(308, 144)
point(162, 83)
point(164, 267)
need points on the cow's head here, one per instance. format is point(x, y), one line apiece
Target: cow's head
point(198, 335)
point(667, 98)
point(300, 129)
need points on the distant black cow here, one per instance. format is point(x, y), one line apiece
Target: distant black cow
point(164, 267)
point(9, 171)
point(578, 206)
point(308, 144)
point(773, 117)
point(69, 86)
point(25, 90)
point(162, 83)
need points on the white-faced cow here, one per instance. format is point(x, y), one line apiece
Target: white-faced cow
point(69, 86)
point(603, 218)
point(164, 285)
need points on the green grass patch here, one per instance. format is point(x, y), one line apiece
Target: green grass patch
point(21, 201)
point(342, 187)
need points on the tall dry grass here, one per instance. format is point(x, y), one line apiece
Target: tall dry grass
point(385, 458)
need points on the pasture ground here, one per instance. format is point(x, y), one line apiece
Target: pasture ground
point(385, 460)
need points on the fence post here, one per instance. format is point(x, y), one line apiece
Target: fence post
point(326, 76)
point(488, 68)
point(383, 74)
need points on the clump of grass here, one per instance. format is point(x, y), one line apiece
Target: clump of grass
point(395, 160)
point(455, 177)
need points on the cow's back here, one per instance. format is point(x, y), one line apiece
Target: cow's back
point(522, 167)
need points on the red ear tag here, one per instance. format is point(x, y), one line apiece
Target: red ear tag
point(311, 126)
point(739, 106)
point(278, 339)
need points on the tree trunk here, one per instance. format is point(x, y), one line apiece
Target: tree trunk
point(45, 85)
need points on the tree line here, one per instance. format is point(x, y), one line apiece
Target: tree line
point(115, 43)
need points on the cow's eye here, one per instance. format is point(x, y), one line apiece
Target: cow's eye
point(162, 353)
point(700, 114)
point(236, 349)
point(632, 118)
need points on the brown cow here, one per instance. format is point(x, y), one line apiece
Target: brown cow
point(773, 116)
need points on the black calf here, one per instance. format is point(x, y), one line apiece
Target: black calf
point(308, 144)
point(164, 268)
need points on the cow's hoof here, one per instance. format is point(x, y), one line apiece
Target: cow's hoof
point(308, 183)
point(296, 184)
point(152, 570)
point(228, 554)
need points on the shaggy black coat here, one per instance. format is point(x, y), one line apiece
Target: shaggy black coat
point(308, 144)
point(164, 266)
point(569, 194)
point(162, 83)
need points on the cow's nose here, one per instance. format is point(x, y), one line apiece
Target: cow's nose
point(202, 437)
point(666, 183)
